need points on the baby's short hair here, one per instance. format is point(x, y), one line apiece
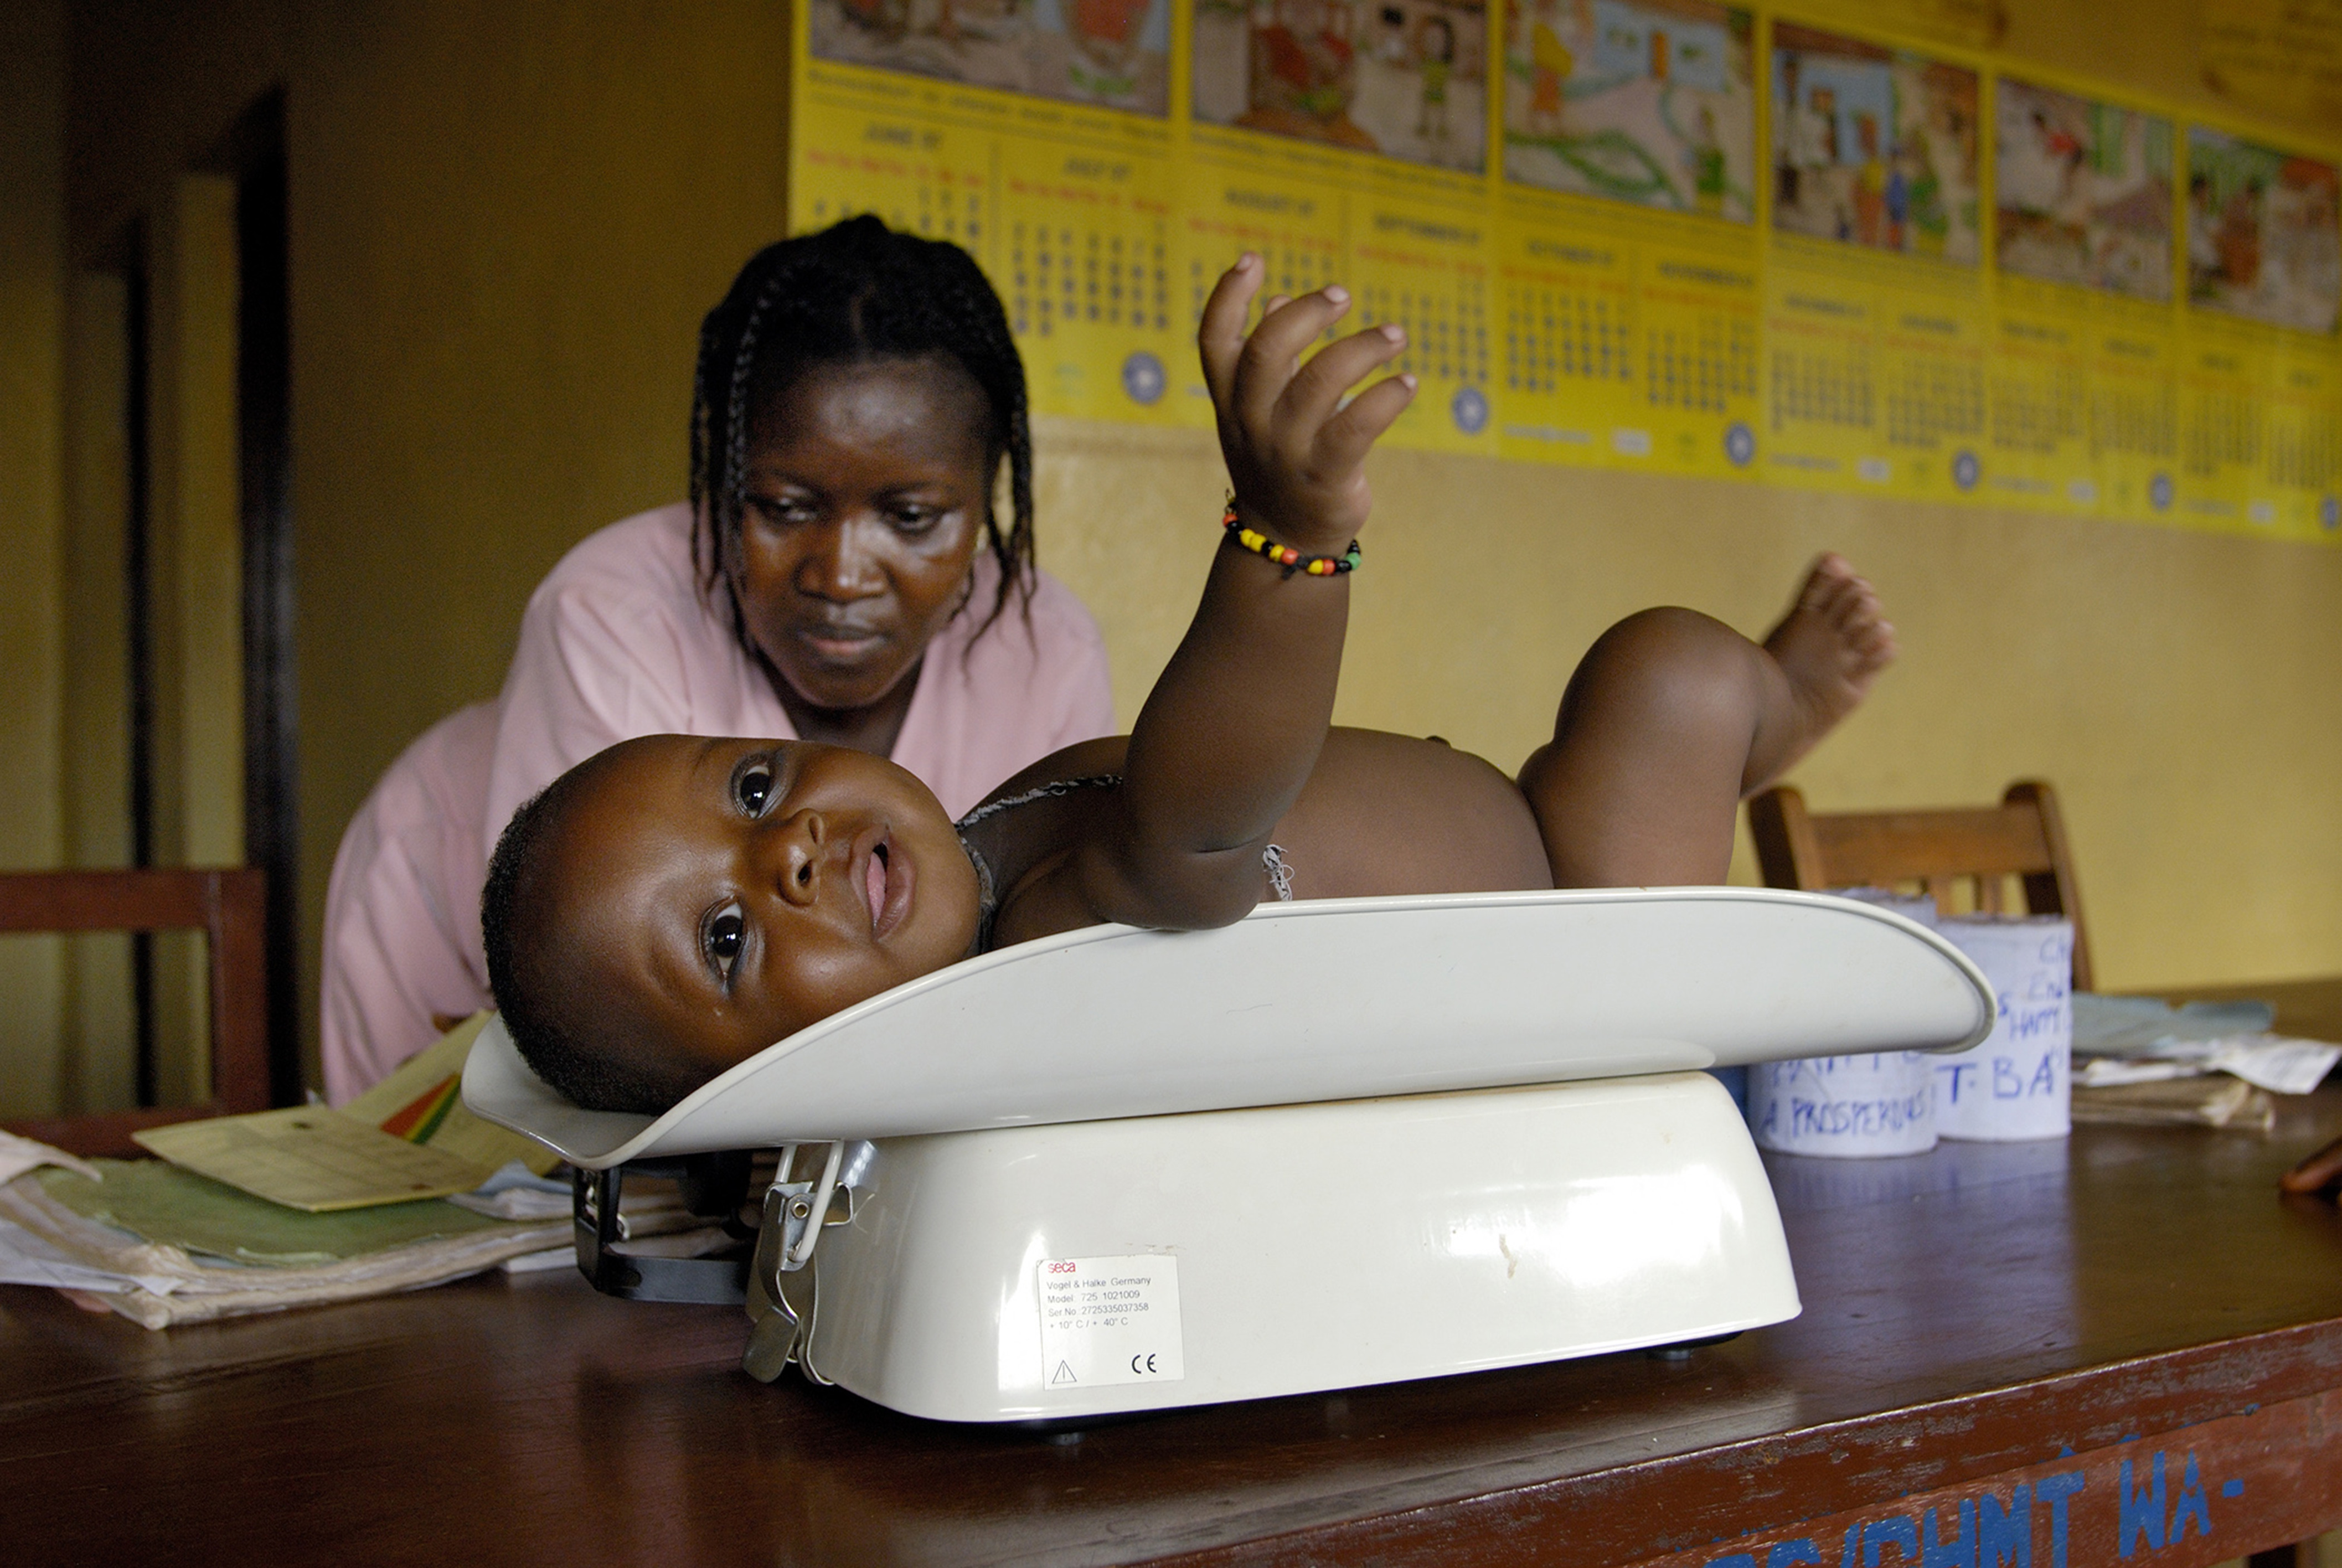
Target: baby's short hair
point(544, 1011)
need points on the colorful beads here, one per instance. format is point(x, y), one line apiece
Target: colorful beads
point(1286, 555)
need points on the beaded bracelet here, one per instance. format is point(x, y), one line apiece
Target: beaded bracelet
point(1285, 555)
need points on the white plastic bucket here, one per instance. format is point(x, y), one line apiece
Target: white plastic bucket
point(2019, 1083)
point(1878, 1104)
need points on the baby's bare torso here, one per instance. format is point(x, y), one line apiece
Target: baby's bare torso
point(1381, 814)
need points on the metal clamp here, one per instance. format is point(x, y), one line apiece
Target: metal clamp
point(794, 1213)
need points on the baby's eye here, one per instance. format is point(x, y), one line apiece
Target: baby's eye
point(754, 789)
point(723, 932)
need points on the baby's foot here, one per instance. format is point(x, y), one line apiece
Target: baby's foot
point(1831, 645)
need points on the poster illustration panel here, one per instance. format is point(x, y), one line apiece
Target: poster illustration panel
point(1406, 78)
point(1115, 52)
point(1645, 101)
point(1874, 146)
point(2262, 240)
point(2084, 192)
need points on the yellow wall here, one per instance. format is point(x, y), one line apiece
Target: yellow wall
point(98, 1050)
point(507, 219)
point(195, 558)
point(2180, 689)
point(31, 415)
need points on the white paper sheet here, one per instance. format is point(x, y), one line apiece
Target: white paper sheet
point(2273, 1062)
point(27, 1260)
point(18, 1155)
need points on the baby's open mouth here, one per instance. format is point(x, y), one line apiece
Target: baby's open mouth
point(887, 883)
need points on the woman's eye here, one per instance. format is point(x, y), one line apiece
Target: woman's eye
point(754, 789)
point(724, 937)
point(915, 519)
point(780, 512)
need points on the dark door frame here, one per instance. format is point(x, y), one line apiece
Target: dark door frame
point(254, 154)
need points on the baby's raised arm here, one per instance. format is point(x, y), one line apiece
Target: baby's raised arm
point(1235, 721)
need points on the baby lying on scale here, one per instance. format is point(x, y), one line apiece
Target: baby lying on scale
point(674, 906)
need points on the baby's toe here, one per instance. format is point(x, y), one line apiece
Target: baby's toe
point(1854, 608)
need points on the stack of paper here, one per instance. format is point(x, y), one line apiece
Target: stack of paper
point(286, 1208)
point(2121, 1040)
point(2214, 1100)
point(162, 1247)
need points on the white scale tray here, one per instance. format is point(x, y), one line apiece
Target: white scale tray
point(1329, 999)
point(1377, 1224)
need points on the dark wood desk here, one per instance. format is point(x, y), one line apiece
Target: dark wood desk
point(1993, 1333)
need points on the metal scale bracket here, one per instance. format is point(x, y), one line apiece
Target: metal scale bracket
point(712, 1187)
point(768, 1270)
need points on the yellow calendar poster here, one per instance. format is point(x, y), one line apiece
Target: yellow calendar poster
point(1074, 212)
point(2220, 427)
point(1281, 207)
point(1702, 325)
point(1566, 306)
point(1629, 339)
point(2133, 390)
point(1668, 235)
point(2300, 430)
point(1821, 381)
point(2037, 441)
point(1425, 265)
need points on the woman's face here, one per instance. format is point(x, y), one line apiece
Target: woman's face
point(865, 493)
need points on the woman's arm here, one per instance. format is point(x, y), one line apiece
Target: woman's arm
point(1235, 721)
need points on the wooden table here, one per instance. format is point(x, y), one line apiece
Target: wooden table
point(1995, 1339)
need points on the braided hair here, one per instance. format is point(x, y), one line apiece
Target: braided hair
point(854, 292)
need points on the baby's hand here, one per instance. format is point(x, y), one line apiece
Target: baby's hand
point(1295, 454)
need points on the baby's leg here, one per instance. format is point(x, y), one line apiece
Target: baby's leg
point(1672, 718)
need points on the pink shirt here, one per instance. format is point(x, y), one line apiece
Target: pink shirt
point(618, 642)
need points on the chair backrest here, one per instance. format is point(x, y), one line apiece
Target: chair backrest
point(2023, 837)
point(229, 906)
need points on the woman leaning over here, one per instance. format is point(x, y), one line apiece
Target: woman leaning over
point(839, 574)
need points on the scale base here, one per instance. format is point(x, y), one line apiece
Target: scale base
point(1243, 1255)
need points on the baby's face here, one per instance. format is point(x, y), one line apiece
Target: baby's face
point(724, 894)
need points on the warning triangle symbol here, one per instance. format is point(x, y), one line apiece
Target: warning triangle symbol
point(1064, 1373)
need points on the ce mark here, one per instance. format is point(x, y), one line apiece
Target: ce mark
point(1139, 1370)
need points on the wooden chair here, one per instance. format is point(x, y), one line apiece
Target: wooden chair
point(2023, 836)
point(229, 906)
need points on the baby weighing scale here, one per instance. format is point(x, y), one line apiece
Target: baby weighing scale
point(1337, 1143)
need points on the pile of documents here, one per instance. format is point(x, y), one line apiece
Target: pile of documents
point(298, 1206)
point(2140, 1060)
point(162, 1246)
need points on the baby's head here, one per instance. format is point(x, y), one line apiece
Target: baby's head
point(672, 906)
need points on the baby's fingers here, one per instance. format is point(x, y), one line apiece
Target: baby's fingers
point(1342, 444)
point(1221, 335)
point(1266, 365)
point(1309, 401)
